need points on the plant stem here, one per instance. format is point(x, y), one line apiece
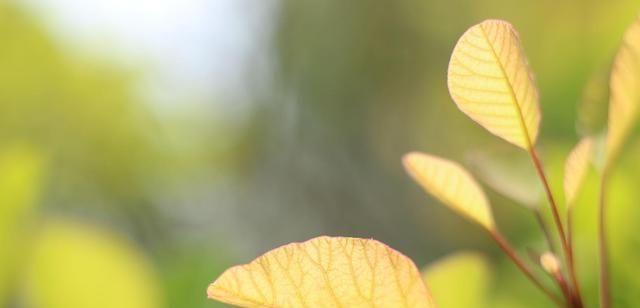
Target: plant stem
point(558, 222)
point(570, 230)
point(545, 230)
point(562, 283)
point(571, 255)
point(506, 247)
point(605, 293)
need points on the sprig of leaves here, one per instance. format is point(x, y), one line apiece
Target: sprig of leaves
point(489, 80)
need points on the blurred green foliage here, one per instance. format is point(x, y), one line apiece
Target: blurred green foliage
point(460, 280)
point(20, 177)
point(80, 111)
point(74, 265)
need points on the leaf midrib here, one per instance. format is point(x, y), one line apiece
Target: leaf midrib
point(512, 93)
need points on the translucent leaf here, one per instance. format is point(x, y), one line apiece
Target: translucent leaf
point(460, 280)
point(490, 81)
point(592, 110)
point(576, 167)
point(325, 272)
point(452, 185)
point(624, 91)
point(508, 174)
point(78, 266)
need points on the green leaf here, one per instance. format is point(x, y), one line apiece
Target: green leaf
point(78, 266)
point(20, 176)
point(508, 174)
point(461, 280)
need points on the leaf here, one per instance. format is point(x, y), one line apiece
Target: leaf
point(489, 80)
point(576, 167)
point(508, 174)
point(460, 280)
point(78, 266)
point(452, 185)
point(624, 92)
point(592, 110)
point(325, 272)
point(20, 181)
point(550, 263)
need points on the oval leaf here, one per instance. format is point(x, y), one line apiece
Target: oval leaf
point(325, 272)
point(489, 79)
point(452, 185)
point(575, 168)
point(445, 277)
point(624, 91)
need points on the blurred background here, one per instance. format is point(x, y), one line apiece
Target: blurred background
point(145, 146)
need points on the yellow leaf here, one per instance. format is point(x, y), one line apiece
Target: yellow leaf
point(490, 81)
point(452, 185)
point(325, 272)
point(77, 266)
point(550, 263)
point(460, 280)
point(624, 91)
point(575, 168)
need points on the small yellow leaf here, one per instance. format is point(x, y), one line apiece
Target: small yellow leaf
point(489, 79)
point(452, 185)
point(550, 263)
point(624, 91)
point(460, 280)
point(325, 272)
point(575, 168)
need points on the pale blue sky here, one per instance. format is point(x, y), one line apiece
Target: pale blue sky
point(203, 50)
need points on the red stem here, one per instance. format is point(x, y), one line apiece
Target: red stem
point(558, 222)
point(506, 247)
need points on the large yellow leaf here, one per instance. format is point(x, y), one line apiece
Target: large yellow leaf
point(325, 272)
point(460, 280)
point(452, 185)
point(624, 86)
point(490, 81)
point(576, 167)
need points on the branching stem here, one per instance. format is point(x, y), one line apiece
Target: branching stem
point(545, 230)
point(508, 249)
point(558, 222)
